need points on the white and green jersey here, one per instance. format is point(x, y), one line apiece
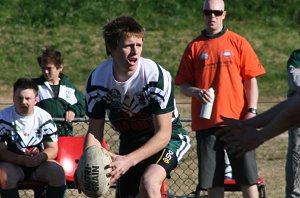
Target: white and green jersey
point(60, 100)
point(293, 65)
point(130, 105)
point(25, 134)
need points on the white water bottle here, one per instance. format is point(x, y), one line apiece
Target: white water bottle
point(207, 108)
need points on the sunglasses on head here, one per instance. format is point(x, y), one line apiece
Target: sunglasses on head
point(215, 12)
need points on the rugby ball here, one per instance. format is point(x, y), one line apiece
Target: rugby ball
point(91, 171)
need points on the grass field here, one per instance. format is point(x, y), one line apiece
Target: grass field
point(74, 27)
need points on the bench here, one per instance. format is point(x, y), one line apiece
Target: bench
point(69, 151)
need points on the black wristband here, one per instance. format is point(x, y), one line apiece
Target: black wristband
point(252, 110)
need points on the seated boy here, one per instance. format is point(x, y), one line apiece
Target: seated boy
point(28, 144)
point(57, 94)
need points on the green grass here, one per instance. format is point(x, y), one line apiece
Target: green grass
point(74, 27)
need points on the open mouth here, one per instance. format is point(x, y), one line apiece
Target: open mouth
point(24, 108)
point(132, 61)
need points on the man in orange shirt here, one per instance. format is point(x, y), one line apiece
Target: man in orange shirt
point(225, 61)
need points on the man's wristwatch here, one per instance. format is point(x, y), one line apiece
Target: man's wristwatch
point(252, 110)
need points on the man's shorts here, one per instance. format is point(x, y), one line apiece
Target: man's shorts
point(128, 184)
point(210, 152)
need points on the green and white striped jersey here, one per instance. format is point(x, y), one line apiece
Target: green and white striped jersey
point(25, 134)
point(130, 105)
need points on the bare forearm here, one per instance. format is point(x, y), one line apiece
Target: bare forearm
point(154, 145)
point(188, 90)
point(251, 92)
point(162, 136)
point(8, 156)
point(50, 153)
point(95, 132)
point(264, 118)
point(91, 139)
point(284, 119)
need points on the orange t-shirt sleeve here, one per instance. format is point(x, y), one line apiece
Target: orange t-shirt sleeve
point(186, 70)
point(251, 66)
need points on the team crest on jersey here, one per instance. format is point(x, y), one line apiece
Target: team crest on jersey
point(141, 98)
point(204, 56)
point(114, 98)
point(14, 135)
point(68, 94)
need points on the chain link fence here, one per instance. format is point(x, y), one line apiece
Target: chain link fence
point(184, 178)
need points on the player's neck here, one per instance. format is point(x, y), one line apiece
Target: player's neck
point(54, 81)
point(122, 75)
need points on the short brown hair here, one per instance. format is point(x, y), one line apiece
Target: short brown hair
point(119, 28)
point(50, 56)
point(25, 83)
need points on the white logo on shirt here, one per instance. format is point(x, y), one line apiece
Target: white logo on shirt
point(227, 53)
point(204, 56)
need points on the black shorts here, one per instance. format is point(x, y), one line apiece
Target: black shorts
point(128, 184)
point(28, 171)
point(210, 152)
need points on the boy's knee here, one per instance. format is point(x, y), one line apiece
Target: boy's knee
point(10, 176)
point(8, 180)
point(3, 180)
point(47, 172)
point(149, 187)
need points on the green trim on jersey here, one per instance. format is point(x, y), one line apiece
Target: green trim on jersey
point(13, 130)
point(294, 59)
point(69, 99)
point(130, 105)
